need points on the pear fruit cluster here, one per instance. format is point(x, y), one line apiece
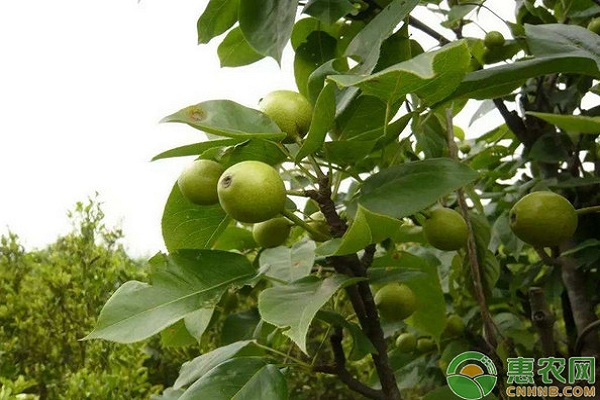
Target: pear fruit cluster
point(249, 191)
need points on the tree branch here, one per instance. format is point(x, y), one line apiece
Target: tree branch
point(581, 338)
point(360, 295)
point(542, 319)
point(415, 23)
point(363, 302)
point(546, 259)
point(581, 305)
point(339, 369)
point(513, 121)
point(367, 258)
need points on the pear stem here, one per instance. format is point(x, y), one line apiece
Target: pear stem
point(301, 223)
point(588, 210)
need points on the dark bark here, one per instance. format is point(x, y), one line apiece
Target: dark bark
point(339, 368)
point(360, 294)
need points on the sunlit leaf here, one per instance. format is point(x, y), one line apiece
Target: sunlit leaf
point(294, 306)
point(182, 282)
point(288, 264)
point(432, 75)
point(218, 16)
point(229, 119)
point(234, 50)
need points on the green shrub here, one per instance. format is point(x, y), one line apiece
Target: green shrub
point(49, 300)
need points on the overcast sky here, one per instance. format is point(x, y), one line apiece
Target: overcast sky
point(83, 84)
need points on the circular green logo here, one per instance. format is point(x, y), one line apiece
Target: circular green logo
point(471, 375)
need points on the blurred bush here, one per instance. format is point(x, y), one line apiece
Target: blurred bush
point(50, 299)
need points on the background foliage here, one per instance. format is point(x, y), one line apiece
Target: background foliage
point(49, 301)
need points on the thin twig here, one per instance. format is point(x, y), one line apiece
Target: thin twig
point(546, 259)
point(486, 317)
point(588, 210)
point(513, 121)
point(471, 247)
point(339, 369)
point(412, 21)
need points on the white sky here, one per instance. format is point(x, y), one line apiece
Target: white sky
point(83, 84)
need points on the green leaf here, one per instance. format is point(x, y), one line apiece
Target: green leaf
point(288, 264)
point(189, 226)
point(571, 123)
point(229, 119)
point(177, 335)
point(323, 117)
point(218, 16)
point(361, 345)
point(317, 79)
point(348, 152)
point(431, 135)
point(367, 43)
point(328, 11)
point(318, 48)
point(195, 369)
point(194, 149)
point(432, 76)
point(235, 238)
point(363, 114)
point(367, 228)
point(198, 321)
point(267, 24)
point(395, 49)
point(234, 50)
point(186, 281)
point(304, 27)
point(240, 378)
point(403, 190)
point(294, 306)
point(551, 148)
point(501, 80)
point(255, 149)
point(563, 40)
point(239, 326)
